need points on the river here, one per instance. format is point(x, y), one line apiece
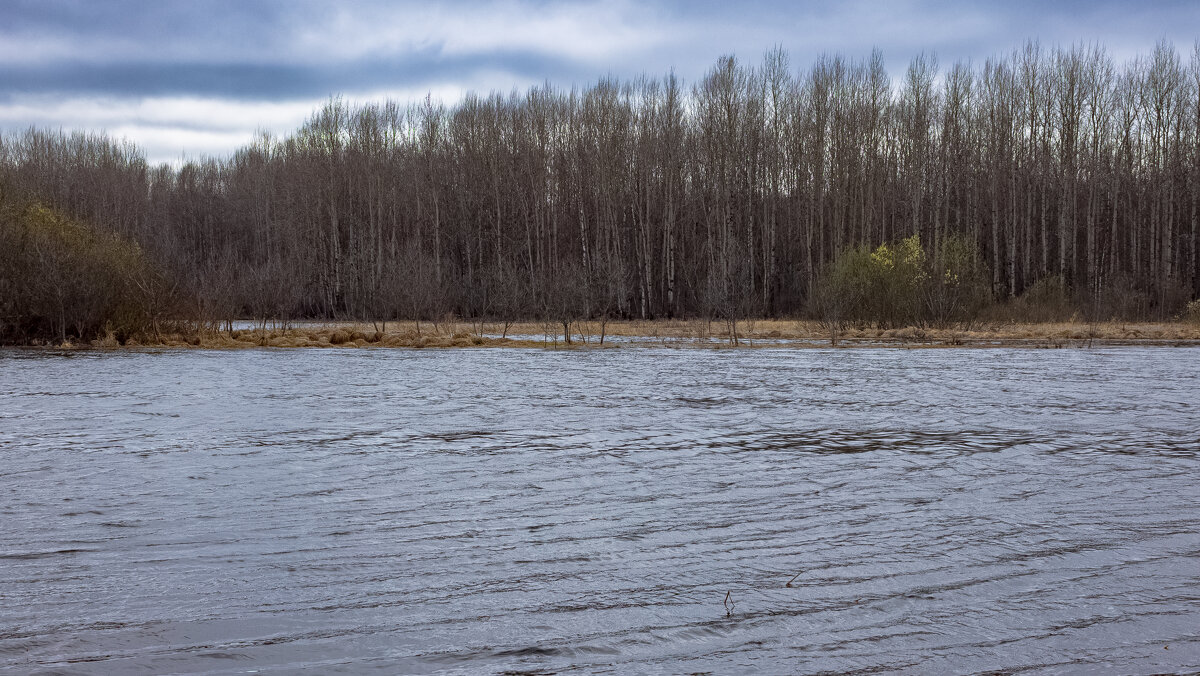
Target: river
point(631, 510)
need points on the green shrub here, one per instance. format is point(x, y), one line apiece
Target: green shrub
point(1191, 312)
point(957, 289)
point(63, 279)
point(900, 285)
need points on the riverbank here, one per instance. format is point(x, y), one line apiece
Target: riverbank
point(668, 333)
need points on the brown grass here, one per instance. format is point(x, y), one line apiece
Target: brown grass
point(680, 333)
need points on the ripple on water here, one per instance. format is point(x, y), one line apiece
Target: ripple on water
point(646, 510)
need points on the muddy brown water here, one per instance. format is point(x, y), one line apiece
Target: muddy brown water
point(635, 510)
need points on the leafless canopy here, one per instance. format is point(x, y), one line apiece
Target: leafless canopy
point(649, 198)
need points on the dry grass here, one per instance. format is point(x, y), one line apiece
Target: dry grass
point(773, 331)
point(673, 332)
point(340, 336)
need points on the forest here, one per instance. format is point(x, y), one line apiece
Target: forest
point(761, 190)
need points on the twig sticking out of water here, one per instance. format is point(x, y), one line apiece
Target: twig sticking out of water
point(729, 604)
point(789, 582)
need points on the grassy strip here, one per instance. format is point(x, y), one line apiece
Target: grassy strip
point(675, 333)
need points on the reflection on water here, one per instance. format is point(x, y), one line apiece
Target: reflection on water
point(492, 510)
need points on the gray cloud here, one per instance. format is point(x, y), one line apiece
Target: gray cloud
point(301, 49)
point(65, 63)
point(268, 81)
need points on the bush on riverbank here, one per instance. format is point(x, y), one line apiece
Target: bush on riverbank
point(900, 284)
point(63, 280)
point(1191, 313)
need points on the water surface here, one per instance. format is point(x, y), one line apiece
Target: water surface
point(619, 511)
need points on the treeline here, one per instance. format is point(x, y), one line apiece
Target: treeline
point(651, 198)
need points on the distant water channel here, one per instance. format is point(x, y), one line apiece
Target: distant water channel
point(637, 510)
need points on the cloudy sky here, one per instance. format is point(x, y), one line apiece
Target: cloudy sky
point(185, 78)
